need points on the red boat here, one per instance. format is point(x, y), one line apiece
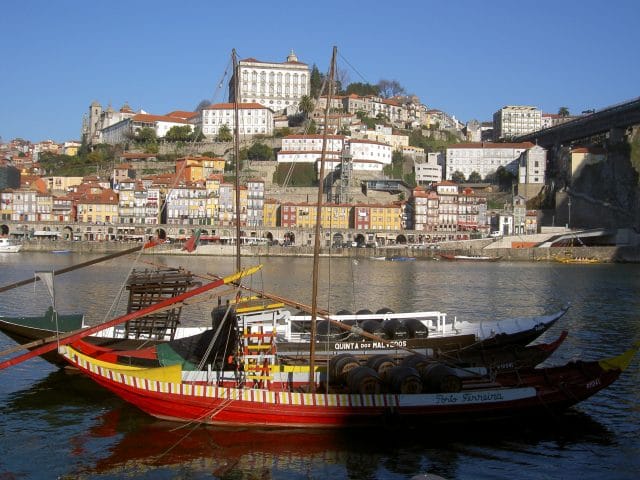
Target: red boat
point(259, 394)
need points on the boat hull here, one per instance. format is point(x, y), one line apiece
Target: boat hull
point(155, 392)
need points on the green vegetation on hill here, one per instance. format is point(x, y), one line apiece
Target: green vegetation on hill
point(302, 175)
point(434, 143)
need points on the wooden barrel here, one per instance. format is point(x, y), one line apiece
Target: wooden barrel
point(384, 310)
point(374, 327)
point(394, 329)
point(440, 378)
point(416, 361)
point(416, 328)
point(363, 380)
point(404, 380)
point(381, 364)
point(339, 367)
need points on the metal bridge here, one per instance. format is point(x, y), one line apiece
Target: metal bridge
point(620, 116)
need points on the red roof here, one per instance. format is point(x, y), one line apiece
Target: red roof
point(145, 117)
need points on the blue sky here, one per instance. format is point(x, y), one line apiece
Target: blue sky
point(469, 59)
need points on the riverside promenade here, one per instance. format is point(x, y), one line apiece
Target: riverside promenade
point(503, 248)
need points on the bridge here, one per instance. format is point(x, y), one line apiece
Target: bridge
point(608, 120)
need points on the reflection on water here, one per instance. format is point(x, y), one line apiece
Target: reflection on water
point(67, 426)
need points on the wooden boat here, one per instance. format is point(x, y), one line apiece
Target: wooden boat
point(430, 333)
point(468, 258)
point(9, 246)
point(261, 394)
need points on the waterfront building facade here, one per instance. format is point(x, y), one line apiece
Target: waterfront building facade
point(98, 208)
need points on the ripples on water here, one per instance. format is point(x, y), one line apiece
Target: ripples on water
point(54, 424)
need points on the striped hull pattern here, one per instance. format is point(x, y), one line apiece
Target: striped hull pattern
point(173, 399)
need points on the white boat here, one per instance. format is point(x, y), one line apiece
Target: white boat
point(9, 246)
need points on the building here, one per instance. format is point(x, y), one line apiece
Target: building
point(515, 120)
point(429, 171)
point(99, 119)
point(484, 158)
point(98, 208)
point(124, 130)
point(367, 155)
point(277, 86)
point(193, 169)
point(254, 118)
point(533, 166)
point(255, 202)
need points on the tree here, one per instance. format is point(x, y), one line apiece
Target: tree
point(146, 135)
point(563, 112)
point(306, 105)
point(224, 134)
point(474, 177)
point(390, 88)
point(457, 177)
point(177, 133)
point(505, 179)
point(260, 151)
point(362, 89)
point(315, 81)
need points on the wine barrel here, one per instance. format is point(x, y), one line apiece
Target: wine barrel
point(346, 312)
point(416, 328)
point(404, 380)
point(394, 329)
point(339, 367)
point(416, 361)
point(364, 311)
point(363, 380)
point(440, 378)
point(384, 310)
point(381, 364)
point(374, 327)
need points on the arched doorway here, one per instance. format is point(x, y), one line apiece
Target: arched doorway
point(401, 240)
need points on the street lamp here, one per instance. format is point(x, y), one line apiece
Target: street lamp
point(569, 220)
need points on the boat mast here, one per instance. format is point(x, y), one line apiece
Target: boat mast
point(316, 245)
point(236, 153)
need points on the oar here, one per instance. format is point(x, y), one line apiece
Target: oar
point(77, 335)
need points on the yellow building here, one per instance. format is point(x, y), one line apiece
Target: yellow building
point(98, 208)
point(385, 217)
point(270, 212)
point(193, 169)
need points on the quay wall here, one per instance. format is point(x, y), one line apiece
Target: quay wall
point(604, 254)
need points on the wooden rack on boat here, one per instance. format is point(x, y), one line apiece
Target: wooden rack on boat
point(149, 287)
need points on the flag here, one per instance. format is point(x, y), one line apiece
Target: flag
point(153, 241)
point(192, 243)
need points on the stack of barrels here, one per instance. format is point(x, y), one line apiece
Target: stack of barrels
point(382, 374)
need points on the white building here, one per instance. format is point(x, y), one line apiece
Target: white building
point(365, 154)
point(484, 158)
point(533, 165)
point(254, 119)
point(278, 86)
point(123, 131)
point(514, 120)
point(429, 171)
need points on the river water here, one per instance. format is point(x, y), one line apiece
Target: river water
point(59, 425)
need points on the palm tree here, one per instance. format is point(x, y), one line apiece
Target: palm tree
point(306, 105)
point(563, 112)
